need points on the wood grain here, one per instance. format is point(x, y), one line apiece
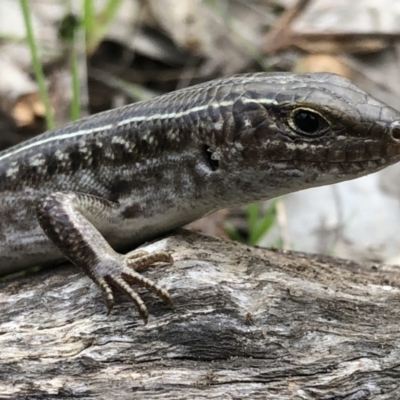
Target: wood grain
point(247, 323)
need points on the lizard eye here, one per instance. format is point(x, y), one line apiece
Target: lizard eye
point(308, 123)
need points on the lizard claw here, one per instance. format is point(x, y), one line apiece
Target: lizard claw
point(121, 271)
point(121, 284)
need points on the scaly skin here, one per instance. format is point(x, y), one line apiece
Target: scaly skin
point(111, 181)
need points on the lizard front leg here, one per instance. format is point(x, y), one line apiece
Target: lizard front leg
point(72, 222)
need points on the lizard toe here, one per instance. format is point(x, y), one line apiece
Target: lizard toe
point(122, 285)
point(134, 277)
point(107, 292)
point(141, 262)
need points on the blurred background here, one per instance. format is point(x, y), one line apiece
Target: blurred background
point(101, 54)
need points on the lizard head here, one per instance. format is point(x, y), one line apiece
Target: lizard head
point(289, 132)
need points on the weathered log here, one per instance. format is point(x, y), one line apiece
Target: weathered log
point(247, 323)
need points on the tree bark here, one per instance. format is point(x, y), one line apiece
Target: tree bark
point(247, 323)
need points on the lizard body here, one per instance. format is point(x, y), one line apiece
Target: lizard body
point(107, 183)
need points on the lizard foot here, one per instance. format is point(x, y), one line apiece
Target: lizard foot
point(121, 270)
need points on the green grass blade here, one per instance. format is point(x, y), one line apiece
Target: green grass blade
point(37, 67)
point(264, 224)
point(95, 26)
point(76, 101)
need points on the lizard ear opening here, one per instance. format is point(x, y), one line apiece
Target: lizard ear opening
point(209, 156)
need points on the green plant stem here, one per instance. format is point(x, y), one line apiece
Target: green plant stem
point(36, 65)
point(95, 26)
point(88, 17)
point(75, 103)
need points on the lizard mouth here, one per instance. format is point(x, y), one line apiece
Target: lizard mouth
point(315, 170)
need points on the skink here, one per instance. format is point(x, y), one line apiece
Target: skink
point(100, 186)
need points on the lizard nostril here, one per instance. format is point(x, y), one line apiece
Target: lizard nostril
point(394, 130)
